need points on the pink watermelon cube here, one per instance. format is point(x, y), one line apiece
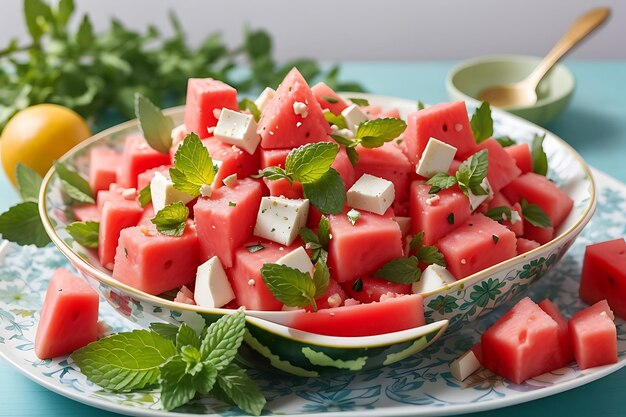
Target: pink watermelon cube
point(226, 219)
point(144, 254)
point(116, 216)
point(103, 163)
point(144, 179)
point(206, 97)
point(374, 288)
point(86, 213)
point(604, 275)
point(147, 215)
point(114, 193)
point(333, 297)
point(477, 245)
point(273, 157)
point(594, 336)
point(137, 158)
point(372, 112)
point(542, 235)
point(522, 343)
point(565, 352)
point(345, 169)
point(321, 92)
point(233, 160)
point(393, 113)
point(283, 188)
point(526, 245)
point(502, 168)
point(447, 122)
point(441, 215)
point(361, 249)
point(539, 190)
point(521, 154)
point(281, 127)
point(69, 317)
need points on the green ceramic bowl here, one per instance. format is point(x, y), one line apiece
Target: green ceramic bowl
point(555, 91)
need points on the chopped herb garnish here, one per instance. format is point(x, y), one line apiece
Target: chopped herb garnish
point(535, 214)
point(232, 204)
point(331, 100)
point(359, 101)
point(540, 160)
point(482, 123)
point(505, 141)
point(255, 248)
point(353, 216)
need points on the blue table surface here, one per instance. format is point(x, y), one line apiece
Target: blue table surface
point(594, 123)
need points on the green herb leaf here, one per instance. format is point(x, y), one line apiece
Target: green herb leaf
point(165, 330)
point(236, 385)
point(255, 248)
point(540, 160)
point(172, 219)
point(440, 181)
point(430, 255)
point(482, 123)
point(420, 105)
point(505, 141)
point(321, 278)
point(290, 286)
point(205, 380)
point(193, 166)
point(323, 231)
point(85, 233)
point(353, 156)
point(499, 214)
point(353, 216)
point(74, 184)
point(186, 336)
point(327, 194)
point(400, 270)
point(309, 236)
point(375, 133)
point(275, 174)
point(330, 100)
point(177, 387)
point(335, 119)
point(145, 196)
point(156, 127)
point(472, 172)
point(534, 214)
point(247, 104)
point(359, 101)
point(21, 224)
point(36, 13)
point(310, 162)
point(124, 361)
point(223, 338)
point(416, 242)
point(28, 182)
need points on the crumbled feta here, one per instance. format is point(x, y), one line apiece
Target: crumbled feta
point(164, 193)
point(129, 193)
point(231, 180)
point(433, 277)
point(239, 129)
point(264, 98)
point(251, 282)
point(515, 217)
point(371, 193)
point(354, 116)
point(345, 133)
point(212, 286)
point(206, 190)
point(477, 200)
point(433, 200)
point(437, 157)
point(280, 219)
point(298, 259)
point(464, 365)
point(217, 113)
point(301, 109)
point(334, 300)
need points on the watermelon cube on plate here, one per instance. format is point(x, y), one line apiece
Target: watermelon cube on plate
point(502, 168)
point(594, 336)
point(522, 156)
point(604, 275)
point(323, 93)
point(103, 163)
point(143, 255)
point(137, 157)
point(372, 289)
point(477, 245)
point(565, 352)
point(69, 317)
point(116, 216)
point(226, 220)
point(206, 97)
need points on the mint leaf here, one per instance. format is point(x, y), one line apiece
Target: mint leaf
point(359, 101)
point(21, 224)
point(205, 380)
point(416, 242)
point(124, 361)
point(290, 286)
point(323, 231)
point(191, 356)
point(172, 219)
point(85, 233)
point(309, 236)
point(440, 181)
point(472, 172)
point(499, 214)
point(374, 133)
point(482, 123)
point(156, 127)
point(353, 156)
point(166, 330)
point(540, 160)
point(353, 216)
point(330, 100)
point(534, 214)
point(400, 270)
point(327, 194)
point(28, 182)
point(177, 387)
point(74, 184)
point(275, 174)
point(145, 196)
point(186, 336)
point(223, 338)
point(236, 385)
point(335, 119)
point(247, 104)
point(321, 278)
point(309, 163)
point(420, 105)
point(193, 166)
point(505, 141)
point(430, 255)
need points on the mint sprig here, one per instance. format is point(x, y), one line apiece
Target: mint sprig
point(321, 278)
point(249, 105)
point(539, 158)
point(293, 287)
point(328, 194)
point(85, 233)
point(317, 243)
point(335, 119)
point(469, 176)
point(499, 214)
point(425, 254)
point(74, 184)
point(440, 181)
point(29, 182)
point(172, 219)
point(193, 166)
point(308, 163)
point(482, 123)
point(534, 214)
point(156, 127)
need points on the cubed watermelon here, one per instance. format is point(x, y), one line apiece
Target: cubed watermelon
point(542, 235)
point(116, 216)
point(539, 190)
point(526, 245)
point(226, 219)
point(521, 154)
point(233, 160)
point(281, 127)
point(137, 157)
point(185, 296)
point(144, 179)
point(69, 317)
point(372, 112)
point(565, 352)
point(333, 297)
point(322, 92)
point(282, 188)
point(393, 112)
point(345, 169)
point(447, 122)
point(522, 343)
point(273, 157)
point(147, 215)
point(205, 98)
point(114, 193)
point(594, 336)
point(502, 169)
point(361, 249)
point(454, 166)
point(143, 254)
point(103, 163)
point(86, 213)
point(604, 275)
point(477, 245)
point(439, 217)
point(371, 289)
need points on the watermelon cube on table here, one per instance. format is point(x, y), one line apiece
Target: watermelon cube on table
point(604, 275)
point(69, 317)
point(372, 289)
point(437, 215)
point(281, 127)
point(447, 122)
point(137, 157)
point(206, 97)
point(153, 262)
point(522, 343)
point(594, 336)
point(361, 249)
point(526, 245)
point(476, 245)
point(233, 160)
point(116, 216)
point(322, 92)
point(226, 220)
point(86, 213)
point(103, 163)
point(522, 156)
point(502, 168)
point(565, 352)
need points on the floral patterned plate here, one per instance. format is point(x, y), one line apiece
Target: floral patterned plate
point(419, 385)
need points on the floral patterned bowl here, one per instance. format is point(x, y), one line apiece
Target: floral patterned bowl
point(307, 354)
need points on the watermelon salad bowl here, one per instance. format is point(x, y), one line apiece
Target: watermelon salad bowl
point(272, 340)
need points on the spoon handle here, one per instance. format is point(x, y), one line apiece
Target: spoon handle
point(583, 26)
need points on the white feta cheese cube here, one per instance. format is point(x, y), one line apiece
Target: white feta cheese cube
point(477, 200)
point(164, 193)
point(437, 157)
point(515, 217)
point(371, 193)
point(464, 365)
point(212, 286)
point(354, 116)
point(231, 180)
point(206, 190)
point(433, 277)
point(238, 129)
point(404, 223)
point(264, 98)
point(280, 219)
point(298, 259)
point(301, 109)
